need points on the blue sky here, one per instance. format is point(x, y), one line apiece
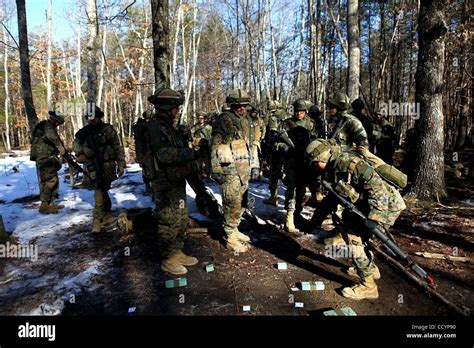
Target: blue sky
point(63, 18)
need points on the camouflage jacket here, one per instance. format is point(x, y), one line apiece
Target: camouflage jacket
point(275, 119)
point(355, 179)
point(99, 141)
point(45, 142)
point(203, 131)
point(301, 133)
point(172, 157)
point(348, 130)
point(226, 128)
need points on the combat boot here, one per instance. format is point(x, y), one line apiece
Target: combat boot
point(108, 219)
point(273, 200)
point(45, 208)
point(236, 244)
point(366, 290)
point(186, 260)
point(56, 206)
point(173, 265)
point(375, 272)
point(96, 225)
point(290, 222)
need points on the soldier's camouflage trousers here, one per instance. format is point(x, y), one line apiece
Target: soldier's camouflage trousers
point(295, 188)
point(103, 204)
point(48, 178)
point(171, 215)
point(232, 198)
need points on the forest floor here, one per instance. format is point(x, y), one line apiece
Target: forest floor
point(115, 273)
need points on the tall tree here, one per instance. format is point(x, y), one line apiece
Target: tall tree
point(160, 33)
point(354, 49)
point(25, 64)
point(93, 30)
point(428, 180)
point(7, 92)
point(48, 69)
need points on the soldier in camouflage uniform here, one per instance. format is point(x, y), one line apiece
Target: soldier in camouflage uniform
point(258, 130)
point(277, 115)
point(172, 161)
point(140, 147)
point(355, 178)
point(98, 146)
point(300, 129)
point(345, 128)
point(201, 133)
point(46, 146)
point(230, 156)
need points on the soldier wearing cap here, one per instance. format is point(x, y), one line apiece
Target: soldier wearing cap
point(46, 147)
point(172, 161)
point(231, 160)
point(98, 146)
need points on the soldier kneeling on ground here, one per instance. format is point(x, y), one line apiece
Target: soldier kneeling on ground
point(355, 178)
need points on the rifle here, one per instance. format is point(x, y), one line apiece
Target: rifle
point(286, 139)
point(69, 158)
point(391, 245)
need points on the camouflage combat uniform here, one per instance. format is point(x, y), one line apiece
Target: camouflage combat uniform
point(355, 179)
point(274, 157)
point(202, 134)
point(171, 161)
point(45, 150)
point(140, 147)
point(230, 156)
point(257, 131)
point(100, 149)
point(384, 138)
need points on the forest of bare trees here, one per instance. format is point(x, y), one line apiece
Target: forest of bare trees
point(120, 51)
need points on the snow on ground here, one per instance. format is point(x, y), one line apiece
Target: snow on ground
point(19, 202)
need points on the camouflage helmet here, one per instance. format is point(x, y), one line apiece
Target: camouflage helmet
point(357, 104)
point(339, 100)
point(201, 114)
point(301, 105)
point(56, 117)
point(166, 99)
point(320, 150)
point(274, 105)
point(238, 97)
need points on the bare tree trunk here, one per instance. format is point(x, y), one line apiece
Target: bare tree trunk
point(102, 65)
point(48, 68)
point(7, 93)
point(263, 47)
point(66, 73)
point(25, 65)
point(274, 56)
point(175, 45)
point(160, 34)
point(428, 180)
point(93, 29)
point(354, 49)
point(78, 64)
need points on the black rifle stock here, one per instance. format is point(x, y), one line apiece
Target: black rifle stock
point(382, 236)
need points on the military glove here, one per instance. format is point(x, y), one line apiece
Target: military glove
point(254, 174)
point(217, 177)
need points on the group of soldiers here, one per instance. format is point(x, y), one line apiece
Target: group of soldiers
point(232, 148)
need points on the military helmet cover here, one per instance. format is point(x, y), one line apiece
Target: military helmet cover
point(339, 100)
point(320, 150)
point(238, 97)
point(166, 99)
point(302, 105)
point(54, 116)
